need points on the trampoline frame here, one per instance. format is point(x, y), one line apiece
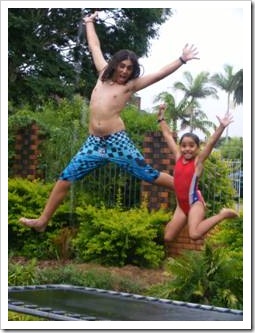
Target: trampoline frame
point(60, 315)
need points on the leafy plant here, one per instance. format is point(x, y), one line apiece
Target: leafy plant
point(20, 275)
point(14, 316)
point(27, 198)
point(116, 237)
point(216, 185)
point(204, 277)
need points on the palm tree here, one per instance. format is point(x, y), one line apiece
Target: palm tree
point(238, 87)
point(182, 112)
point(173, 111)
point(195, 89)
point(228, 82)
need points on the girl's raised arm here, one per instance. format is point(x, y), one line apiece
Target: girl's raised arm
point(224, 122)
point(167, 133)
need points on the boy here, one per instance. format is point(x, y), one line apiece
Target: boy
point(108, 141)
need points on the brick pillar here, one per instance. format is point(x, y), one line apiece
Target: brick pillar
point(27, 151)
point(183, 242)
point(157, 154)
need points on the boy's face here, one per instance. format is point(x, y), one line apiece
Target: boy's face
point(123, 71)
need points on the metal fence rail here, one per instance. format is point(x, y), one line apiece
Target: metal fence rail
point(110, 183)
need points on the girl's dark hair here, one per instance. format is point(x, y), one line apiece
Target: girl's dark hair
point(192, 136)
point(116, 59)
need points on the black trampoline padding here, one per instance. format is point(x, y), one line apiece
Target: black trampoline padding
point(67, 302)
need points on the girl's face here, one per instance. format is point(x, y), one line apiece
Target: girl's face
point(189, 148)
point(123, 71)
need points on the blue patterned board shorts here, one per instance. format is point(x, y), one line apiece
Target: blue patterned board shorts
point(98, 151)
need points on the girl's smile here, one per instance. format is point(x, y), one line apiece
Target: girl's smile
point(189, 148)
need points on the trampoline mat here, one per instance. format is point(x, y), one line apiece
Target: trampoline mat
point(85, 303)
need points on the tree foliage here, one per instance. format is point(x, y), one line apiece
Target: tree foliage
point(194, 89)
point(47, 51)
point(183, 113)
point(232, 149)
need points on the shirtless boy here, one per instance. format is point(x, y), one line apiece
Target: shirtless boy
point(108, 141)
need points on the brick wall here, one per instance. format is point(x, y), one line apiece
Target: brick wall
point(157, 154)
point(26, 160)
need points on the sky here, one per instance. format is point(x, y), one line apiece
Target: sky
point(218, 32)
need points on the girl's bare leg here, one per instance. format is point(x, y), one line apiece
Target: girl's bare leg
point(174, 227)
point(56, 197)
point(198, 226)
point(165, 180)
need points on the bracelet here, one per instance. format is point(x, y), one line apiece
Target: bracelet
point(89, 21)
point(159, 120)
point(182, 60)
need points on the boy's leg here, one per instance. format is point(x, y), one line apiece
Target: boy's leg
point(56, 197)
point(81, 164)
point(165, 180)
point(122, 151)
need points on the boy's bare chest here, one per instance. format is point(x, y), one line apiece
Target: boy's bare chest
point(111, 91)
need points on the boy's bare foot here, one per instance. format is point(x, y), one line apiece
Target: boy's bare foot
point(33, 223)
point(228, 213)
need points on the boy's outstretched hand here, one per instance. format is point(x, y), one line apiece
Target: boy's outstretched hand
point(90, 18)
point(189, 52)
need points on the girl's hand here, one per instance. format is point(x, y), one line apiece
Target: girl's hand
point(161, 111)
point(226, 120)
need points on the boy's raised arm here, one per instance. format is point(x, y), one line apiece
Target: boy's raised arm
point(188, 53)
point(94, 43)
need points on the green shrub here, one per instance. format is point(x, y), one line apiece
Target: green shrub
point(211, 276)
point(27, 198)
point(20, 275)
point(108, 236)
point(215, 184)
point(14, 316)
point(116, 237)
point(230, 235)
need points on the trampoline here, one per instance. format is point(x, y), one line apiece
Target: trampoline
point(68, 302)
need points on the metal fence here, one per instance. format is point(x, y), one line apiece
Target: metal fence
point(236, 175)
point(110, 184)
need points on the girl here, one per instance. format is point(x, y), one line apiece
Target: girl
point(188, 168)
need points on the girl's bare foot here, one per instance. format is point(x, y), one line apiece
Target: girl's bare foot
point(228, 213)
point(36, 224)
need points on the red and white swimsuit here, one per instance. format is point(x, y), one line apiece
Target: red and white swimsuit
point(186, 184)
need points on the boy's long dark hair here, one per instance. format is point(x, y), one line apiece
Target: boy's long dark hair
point(116, 59)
